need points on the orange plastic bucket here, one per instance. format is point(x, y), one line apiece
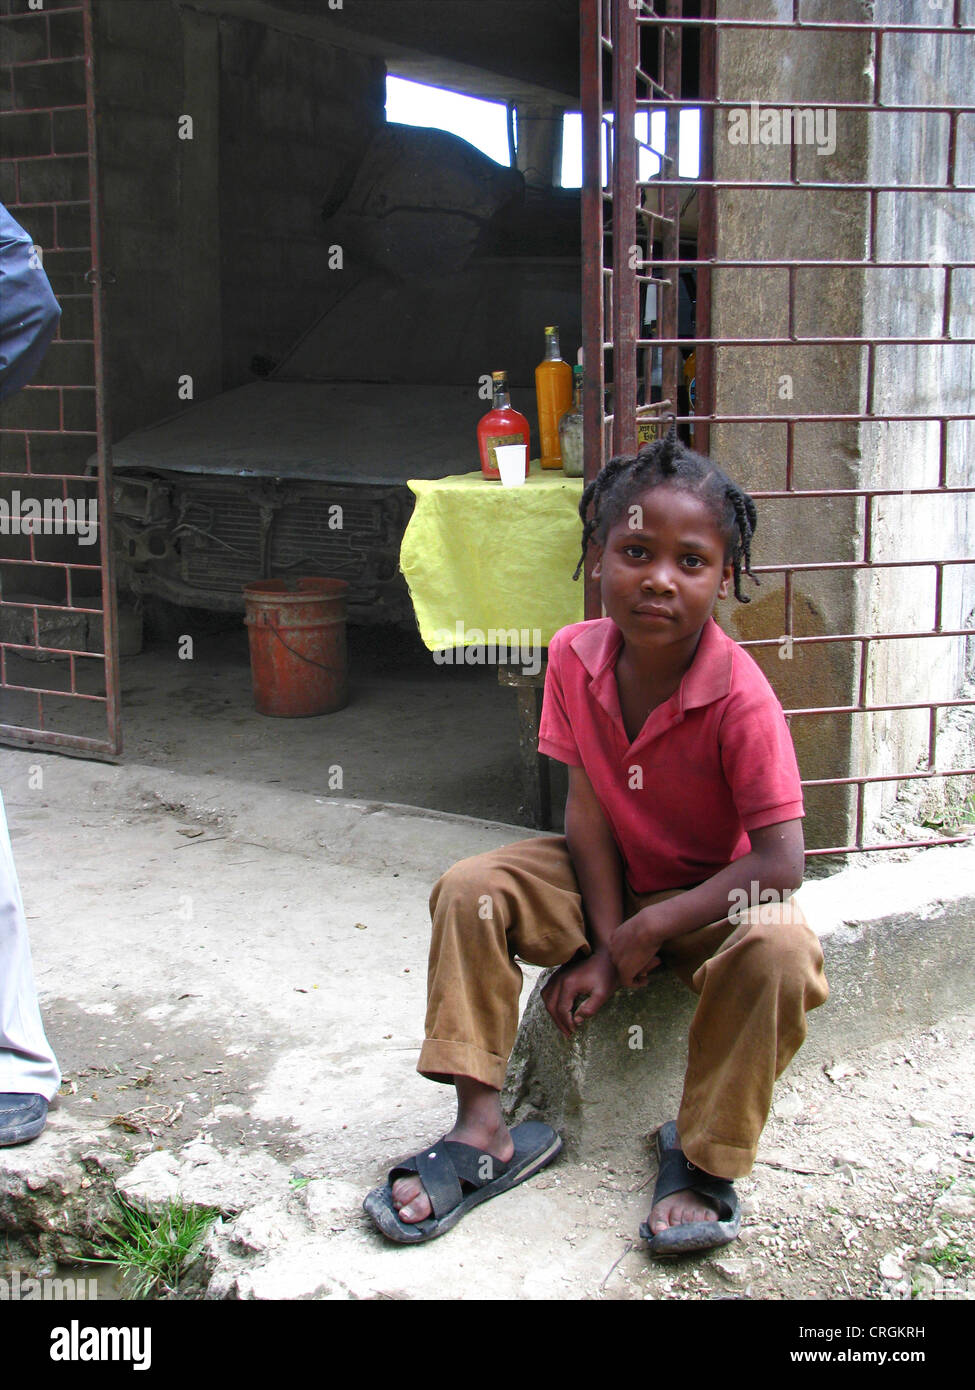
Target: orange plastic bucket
point(299, 662)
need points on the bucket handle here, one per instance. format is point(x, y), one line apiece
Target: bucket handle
point(300, 655)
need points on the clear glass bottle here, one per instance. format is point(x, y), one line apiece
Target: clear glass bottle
point(570, 431)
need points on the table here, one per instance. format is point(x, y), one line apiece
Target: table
point(489, 565)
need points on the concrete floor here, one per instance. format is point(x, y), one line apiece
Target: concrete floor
point(440, 737)
point(231, 961)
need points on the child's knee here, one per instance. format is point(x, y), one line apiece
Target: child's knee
point(781, 943)
point(471, 885)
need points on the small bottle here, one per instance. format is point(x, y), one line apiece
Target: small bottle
point(570, 430)
point(553, 391)
point(501, 425)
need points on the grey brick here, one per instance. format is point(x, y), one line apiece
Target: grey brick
point(73, 226)
point(67, 35)
point(79, 409)
point(66, 271)
point(31, 409)
point(25, 133)
point(60, 453)
point(67, 364)
point(24, 38)
point(76, 317)
point(38, 222)
point(13, 451)
point(8, 182)
point(50, 84)
point(70, 131)
point(59, 178)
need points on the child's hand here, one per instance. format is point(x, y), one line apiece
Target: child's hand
point(634, 947)
point(594, 977)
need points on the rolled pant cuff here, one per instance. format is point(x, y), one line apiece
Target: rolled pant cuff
point(721, 1160)
point(442, 1061)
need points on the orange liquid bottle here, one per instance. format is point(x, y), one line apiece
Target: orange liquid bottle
point(501, 425)
point(553, 391)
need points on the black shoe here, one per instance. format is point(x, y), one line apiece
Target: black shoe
point(22, 1117)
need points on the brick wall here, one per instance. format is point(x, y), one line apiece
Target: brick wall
point(48, 428)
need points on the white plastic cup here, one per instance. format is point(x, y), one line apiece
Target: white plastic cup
point(511, 463)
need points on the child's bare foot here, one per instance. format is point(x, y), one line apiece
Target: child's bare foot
point(680, 1209)
point(410, 1199)
point(692, 1209)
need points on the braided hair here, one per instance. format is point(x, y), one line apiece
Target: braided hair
point(669, 461)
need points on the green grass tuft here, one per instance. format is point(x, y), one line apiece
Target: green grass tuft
point(952, 1256)
point(153, 1249)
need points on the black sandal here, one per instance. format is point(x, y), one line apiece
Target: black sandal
point(443, 1169)
point(675, 1174)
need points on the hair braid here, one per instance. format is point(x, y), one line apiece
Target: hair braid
point(668, 460)
point(591, 494)
point(747, 519)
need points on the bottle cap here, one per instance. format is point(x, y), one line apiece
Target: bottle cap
point(553, 328)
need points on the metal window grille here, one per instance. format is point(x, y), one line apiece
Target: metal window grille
point(58, 650)
point(631, 64)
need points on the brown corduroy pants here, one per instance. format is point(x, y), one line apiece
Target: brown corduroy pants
point(755, 978)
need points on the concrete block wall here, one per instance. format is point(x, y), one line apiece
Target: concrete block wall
point(295, 118)
point(929, 227)
point(778, 224)
point(48, 427)
point(153, 64)
point(811, 70)
point(213, 231)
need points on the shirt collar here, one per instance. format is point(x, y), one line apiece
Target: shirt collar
point(707, 679)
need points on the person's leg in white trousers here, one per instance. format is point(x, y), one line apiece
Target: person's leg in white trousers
point(29, 1073)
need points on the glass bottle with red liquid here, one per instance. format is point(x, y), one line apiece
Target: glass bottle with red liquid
point(501, 425)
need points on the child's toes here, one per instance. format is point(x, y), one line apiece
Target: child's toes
point(410, 1200)
point(696, 1212)
point(405, 1190)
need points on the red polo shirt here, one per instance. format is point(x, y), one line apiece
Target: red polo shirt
point(711, 763)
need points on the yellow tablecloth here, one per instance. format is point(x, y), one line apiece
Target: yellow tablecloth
point(478, 556)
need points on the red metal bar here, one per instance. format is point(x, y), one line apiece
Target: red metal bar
point(797, 26)
point(593, 273)
point(623, 178)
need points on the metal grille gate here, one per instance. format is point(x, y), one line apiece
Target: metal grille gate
point(631, 63)
point(58, 648)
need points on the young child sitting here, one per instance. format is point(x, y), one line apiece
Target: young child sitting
point(684, 802)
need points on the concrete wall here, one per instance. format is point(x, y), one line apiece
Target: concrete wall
point(160, 216)
point(929, 227)
point(810, 70)
point(295, 118)
point(213, 232)
point(785, 223)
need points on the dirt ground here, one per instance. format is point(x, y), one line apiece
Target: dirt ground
point(864, 1188)
point(231, 961)
point(413, 732)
